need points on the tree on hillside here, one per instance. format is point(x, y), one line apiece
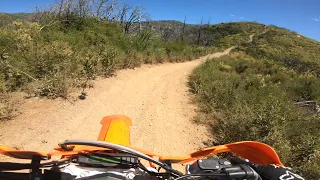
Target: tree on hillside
point(83, 8)
point(129, 15)
point(100, 7)
point(199, 31)
point(184, 27)
point(206, 36)
point(68, 11)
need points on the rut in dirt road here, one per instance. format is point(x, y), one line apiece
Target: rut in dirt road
point(156, 97)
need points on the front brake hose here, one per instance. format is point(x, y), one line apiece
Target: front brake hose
point(118, 148)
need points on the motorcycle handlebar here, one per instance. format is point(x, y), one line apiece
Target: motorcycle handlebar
point(14, 176)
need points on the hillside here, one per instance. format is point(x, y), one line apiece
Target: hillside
point(221, 35)
point(6, 18)
point(289, 48)
point(267, 90)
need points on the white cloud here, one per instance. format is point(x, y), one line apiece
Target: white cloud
point(316, 19)
point(232, 15)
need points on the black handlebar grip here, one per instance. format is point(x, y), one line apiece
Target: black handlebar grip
point(236, 161)
point(241, 171)
point(8, 166)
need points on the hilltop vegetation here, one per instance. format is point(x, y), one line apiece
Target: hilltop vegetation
point(268, 91)
point(288, 48)
point(220, 36)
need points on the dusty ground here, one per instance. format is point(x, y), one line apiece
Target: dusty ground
point(156, 97)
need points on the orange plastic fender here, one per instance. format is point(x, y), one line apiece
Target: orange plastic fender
point(115, 129)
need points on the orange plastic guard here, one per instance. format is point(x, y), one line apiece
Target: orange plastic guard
point(21, 154)
point(256, 152)
point(115, 129)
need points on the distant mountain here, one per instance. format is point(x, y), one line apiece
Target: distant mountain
point(6, 18)
point(210, 34)
point(222, 35)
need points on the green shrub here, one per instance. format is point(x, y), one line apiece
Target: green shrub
point(225, 68)
point(8, 107)
point(108, 60)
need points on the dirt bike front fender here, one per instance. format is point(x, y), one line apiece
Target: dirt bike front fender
point(115, 129)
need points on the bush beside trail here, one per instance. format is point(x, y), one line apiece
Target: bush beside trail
point(243, 98)
point(267, 90)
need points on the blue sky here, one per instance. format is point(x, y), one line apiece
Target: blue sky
point(302, 16)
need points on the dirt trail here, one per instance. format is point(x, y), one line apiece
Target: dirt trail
point(156, 97)
point(251, 37)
